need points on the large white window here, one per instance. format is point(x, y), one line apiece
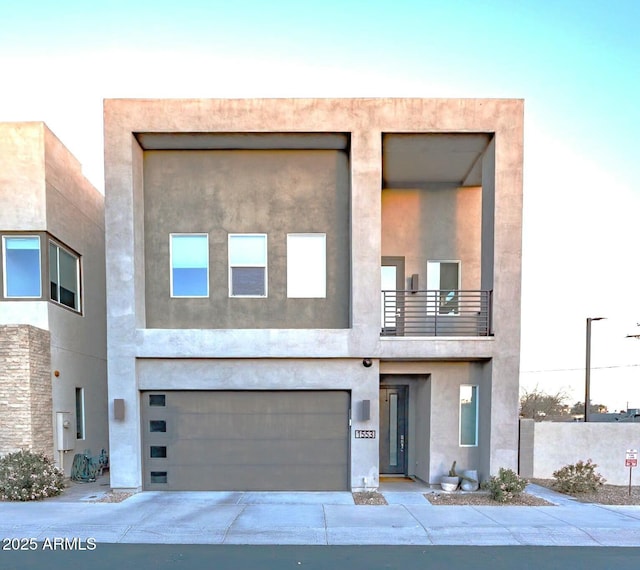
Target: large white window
point(21, 268)
point(306, 266)
point(468, 415)
point(247, 265)
point(189, 255)
point(444, 277)
point(64, 276)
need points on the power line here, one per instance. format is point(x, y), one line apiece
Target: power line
point(578, 369)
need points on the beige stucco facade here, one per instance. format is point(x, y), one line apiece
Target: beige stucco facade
point(427, 180)
point(45, 195)
point(546, 447)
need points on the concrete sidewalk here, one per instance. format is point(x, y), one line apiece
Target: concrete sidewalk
point(315, 519)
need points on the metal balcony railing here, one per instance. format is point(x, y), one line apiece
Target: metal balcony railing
point(436, 313)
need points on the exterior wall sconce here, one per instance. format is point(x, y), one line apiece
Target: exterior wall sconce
point(366, 362)
point(118, 409)
point(365, 410)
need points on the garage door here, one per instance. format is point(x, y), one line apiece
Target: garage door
point(246, 440)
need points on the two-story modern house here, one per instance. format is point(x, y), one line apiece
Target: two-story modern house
point(307, 294)
point(53, 362)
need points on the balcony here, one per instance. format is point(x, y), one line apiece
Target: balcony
point(436, 313)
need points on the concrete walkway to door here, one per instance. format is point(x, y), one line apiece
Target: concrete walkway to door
point(314, 518)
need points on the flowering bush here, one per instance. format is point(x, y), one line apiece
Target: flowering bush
point(579, 478)
point(29, 476)
point(505, 486)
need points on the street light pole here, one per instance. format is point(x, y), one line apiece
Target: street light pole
point(587, 373)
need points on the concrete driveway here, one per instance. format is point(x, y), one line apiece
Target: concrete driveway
point(315, 519)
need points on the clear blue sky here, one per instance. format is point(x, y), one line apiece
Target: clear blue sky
point(576, 64)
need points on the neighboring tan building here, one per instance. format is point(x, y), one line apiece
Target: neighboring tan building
point(53, 365)
point(307, 294)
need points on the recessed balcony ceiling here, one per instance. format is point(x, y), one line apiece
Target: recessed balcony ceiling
point(243, 141)
point(418, 160)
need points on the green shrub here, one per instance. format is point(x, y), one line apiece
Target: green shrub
point(29, 476)
point(578, 478)
point(505, 486)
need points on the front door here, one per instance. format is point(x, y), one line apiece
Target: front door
point(393, 429)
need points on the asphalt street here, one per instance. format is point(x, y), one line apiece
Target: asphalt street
point(230, 557)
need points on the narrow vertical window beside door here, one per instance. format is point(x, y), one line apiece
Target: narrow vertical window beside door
point(468, 415)
point(393, 430)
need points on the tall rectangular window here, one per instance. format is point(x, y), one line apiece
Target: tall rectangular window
point(444, 278)
point(468, 415)
point(247, 265)
point(80, 413)
point(306, 266)
point(22, 277)
point(64, 276)
point(189, 255)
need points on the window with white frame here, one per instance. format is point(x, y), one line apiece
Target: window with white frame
point(21, 266)
point(468, 415)
point(247, 265)
point(189, 259)
point(306, 266)
point(64, 276)
point(444, 278)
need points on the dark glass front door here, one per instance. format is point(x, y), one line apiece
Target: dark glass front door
point(393, 429)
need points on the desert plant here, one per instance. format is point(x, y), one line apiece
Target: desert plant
point(505, 486)
point(454, 473)
point(580, 477)
point(29, 476)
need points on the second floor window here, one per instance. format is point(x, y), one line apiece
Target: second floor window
point(306, 266)
point(22, 277)
point(64, 276)
point(247, 265)
point(189, 265)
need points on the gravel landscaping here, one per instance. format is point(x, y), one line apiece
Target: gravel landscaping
point(606, 494)
point(369, 498)
point(482, 499)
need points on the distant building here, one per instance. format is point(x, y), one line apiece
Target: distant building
point(53, 387)
point(630, 415)
point(309, 294)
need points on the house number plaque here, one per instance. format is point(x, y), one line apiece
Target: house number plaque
point(365, 434)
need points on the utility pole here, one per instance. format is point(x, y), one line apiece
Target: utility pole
point(587, 374)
